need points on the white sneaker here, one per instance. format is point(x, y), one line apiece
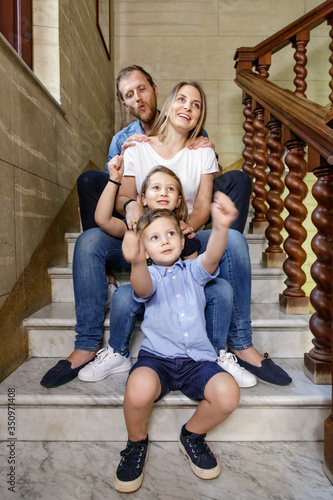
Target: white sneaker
point(111, 289)
point(228, 362)
point(106, 362)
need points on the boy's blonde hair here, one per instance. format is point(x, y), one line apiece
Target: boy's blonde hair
point(161, 127)
point(146, 219)
point(180, 211)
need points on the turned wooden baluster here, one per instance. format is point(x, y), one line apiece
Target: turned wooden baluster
point(248, 163)
point(293, 300)
point(318, 360)
point(330, 22)
point(259, 223)
point(263, 65)
point(274, 255)
point(329, 116)
point(300, 42)
point(328, 436)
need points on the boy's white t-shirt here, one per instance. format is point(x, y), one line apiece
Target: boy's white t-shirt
point(188, 164)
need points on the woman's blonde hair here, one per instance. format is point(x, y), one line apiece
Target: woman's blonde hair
point(161, 127)
point(180, 211)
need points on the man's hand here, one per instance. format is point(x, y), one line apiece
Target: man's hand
point(223, 210)
point(133, 249)
point(130, 141)
point(200, 142)
point(116, 168)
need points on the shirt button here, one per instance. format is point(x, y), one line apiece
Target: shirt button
point(188, 350)
point(173, 277)
point(186, 334)
point(169, 270)
point(178, 295)
point(182, 315)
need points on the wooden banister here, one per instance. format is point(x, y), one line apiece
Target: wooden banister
point(305, 118)
point(278, 119)
point(283, 37)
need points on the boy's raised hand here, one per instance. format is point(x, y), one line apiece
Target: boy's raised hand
point(132, 248)
point(116, 168)
point(223, 210)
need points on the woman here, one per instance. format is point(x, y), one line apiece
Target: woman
point(182, 118)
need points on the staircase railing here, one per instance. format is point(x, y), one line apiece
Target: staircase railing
point(280, 122)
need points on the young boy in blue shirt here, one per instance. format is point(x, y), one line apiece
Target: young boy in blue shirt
point(175, 353)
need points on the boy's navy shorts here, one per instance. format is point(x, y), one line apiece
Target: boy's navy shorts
point(183, 374)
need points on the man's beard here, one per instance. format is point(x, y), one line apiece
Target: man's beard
point(147, 118)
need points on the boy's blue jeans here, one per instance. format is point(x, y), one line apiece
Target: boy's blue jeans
point(95, 249)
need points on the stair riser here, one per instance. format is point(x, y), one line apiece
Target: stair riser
point(98, 423)
point(264, 289)
point(256, 250)
point(279, 343)
point(256, 247)
point(70, 249)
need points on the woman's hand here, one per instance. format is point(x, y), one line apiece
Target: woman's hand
point(130, 141)
point(200, 142)
point(186, 229)
point(133, 213)
point(116, 168)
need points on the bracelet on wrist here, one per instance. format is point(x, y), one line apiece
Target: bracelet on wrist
point(126, 203)
point(114, 182)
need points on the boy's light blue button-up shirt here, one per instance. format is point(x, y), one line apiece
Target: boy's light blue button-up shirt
point(174, 322)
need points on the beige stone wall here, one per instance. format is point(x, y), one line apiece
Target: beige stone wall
point(44, 145)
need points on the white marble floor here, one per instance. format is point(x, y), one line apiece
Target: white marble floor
point(250, 471)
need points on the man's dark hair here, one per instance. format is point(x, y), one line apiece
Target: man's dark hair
point(126, 71)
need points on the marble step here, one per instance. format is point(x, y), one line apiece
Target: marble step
point(51, 331)
point(249, 471)
point(82, 411)
point(257, 244)
point(266, 283)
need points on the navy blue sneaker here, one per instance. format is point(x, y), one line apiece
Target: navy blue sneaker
point(129, 474)
point(268, 371)
point(201, 458)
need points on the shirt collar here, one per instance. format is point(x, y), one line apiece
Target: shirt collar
point(170, 270)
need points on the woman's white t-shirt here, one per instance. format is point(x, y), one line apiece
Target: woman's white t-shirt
point(188, 164)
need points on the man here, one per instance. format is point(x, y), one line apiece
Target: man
point(138, 94)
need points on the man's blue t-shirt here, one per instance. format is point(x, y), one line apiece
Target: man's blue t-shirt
point(119, 139)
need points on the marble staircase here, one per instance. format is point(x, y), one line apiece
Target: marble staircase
point(93, 411)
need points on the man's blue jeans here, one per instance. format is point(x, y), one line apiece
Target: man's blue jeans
point(95, 249)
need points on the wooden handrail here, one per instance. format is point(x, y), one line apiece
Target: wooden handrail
point(283, 37)
point(304, 117)
point(279, 121)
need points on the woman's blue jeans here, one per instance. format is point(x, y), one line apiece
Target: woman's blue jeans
point(95, 249)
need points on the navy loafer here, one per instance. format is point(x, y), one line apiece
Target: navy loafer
point(268, 371)
point(60, 374)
